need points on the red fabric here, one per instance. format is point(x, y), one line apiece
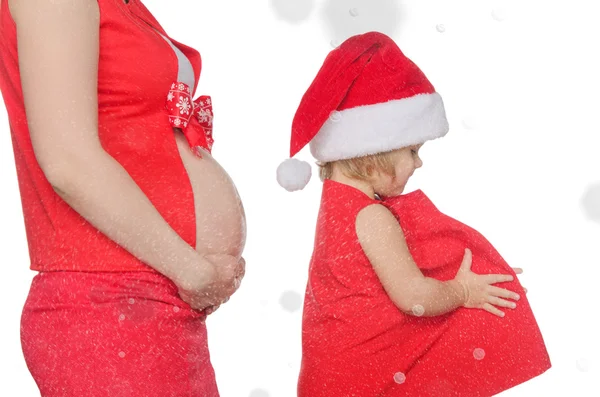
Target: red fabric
point(346, 80)
point(356, 342)
point(135, 71)
point(99, 334)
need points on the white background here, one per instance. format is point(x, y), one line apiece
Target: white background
point(520, 164)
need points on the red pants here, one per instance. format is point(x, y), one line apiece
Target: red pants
point(125, 334)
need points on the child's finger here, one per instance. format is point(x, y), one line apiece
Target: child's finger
point(497, 278)
point(493, 310)
point(525, 289)
point(517, 270)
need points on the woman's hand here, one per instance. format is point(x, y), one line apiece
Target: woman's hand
point(211, 309)
point(211, 289)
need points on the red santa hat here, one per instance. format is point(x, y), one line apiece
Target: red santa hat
point(367, 98)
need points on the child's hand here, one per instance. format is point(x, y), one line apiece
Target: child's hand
point(518, 270)
point(479, 292)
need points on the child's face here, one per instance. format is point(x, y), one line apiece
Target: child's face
point(406, 161)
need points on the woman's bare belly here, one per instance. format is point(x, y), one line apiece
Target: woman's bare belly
point(220, 217)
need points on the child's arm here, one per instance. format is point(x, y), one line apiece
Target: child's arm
point(382, 240)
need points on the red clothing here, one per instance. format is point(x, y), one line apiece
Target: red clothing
point(135, 72)
point(356, 342)
point(98, 334)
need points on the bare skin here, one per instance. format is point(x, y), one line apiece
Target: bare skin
point(384, 243)
point(220, 217)
point(65, 138)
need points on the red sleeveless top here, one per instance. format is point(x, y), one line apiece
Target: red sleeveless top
point(135, 72)
point(356, 342)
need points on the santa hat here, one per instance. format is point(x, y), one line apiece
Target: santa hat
point(367, 98)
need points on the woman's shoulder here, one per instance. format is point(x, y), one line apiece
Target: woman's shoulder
point(60, 12)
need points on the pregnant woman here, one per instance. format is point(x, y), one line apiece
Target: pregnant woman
point(135, 229)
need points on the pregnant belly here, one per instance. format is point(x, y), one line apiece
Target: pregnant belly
point(220, 218)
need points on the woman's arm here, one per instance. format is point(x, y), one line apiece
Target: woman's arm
point(383, 241)
point(58, 44)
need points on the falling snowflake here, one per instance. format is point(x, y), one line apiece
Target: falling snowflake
point(399, 377)
point(479, 354)
point(469, 123)
point(582, 365)
point(591, 202)
point(342, 21)
point(440, 28)
point(293, 11)
point(499, 14)
point(335, 116)
point(418, 310)
point(259, 393)
point(291, 301)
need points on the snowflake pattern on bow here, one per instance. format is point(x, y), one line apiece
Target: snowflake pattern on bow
point(184, 105)
point(182, 109)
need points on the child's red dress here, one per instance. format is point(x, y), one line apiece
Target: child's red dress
point(356, 342)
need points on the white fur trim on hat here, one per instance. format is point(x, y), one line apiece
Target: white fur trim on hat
point(293, 174)
point(381, 127)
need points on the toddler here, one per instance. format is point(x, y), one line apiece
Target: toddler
point(391, 278)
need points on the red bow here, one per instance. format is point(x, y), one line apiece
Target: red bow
point(182, 110)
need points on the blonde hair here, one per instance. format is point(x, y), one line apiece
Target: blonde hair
point(359, 167)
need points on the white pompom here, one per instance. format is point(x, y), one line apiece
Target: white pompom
point(293, 174)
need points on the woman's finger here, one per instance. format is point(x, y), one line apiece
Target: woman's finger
point(212, 309)
point(241, 268)
point(525, 289)
point(236, 283)
point(517, 270)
